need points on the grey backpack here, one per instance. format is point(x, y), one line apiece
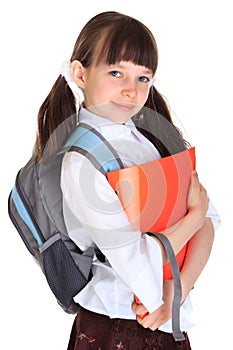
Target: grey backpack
point(35, 208)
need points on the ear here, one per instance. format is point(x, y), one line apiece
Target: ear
point(78, 73)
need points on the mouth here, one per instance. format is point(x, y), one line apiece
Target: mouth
point(123, 106)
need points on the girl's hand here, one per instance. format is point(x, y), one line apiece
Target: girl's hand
point(159, 316)
point(197, 199)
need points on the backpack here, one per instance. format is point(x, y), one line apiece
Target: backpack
point(35, 208)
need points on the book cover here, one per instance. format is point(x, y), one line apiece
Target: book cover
point(154, 194)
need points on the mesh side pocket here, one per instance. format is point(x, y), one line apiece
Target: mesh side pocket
point(62, 274)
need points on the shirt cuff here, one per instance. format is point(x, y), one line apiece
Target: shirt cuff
point(150, 297)
point(148, 283)
point(213, 215)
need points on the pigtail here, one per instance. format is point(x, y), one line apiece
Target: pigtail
point(154, 121)
point(157, 103)
point(56, 119)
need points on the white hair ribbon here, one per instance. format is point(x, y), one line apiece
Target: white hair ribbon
point(152, 81)
point(78, 94)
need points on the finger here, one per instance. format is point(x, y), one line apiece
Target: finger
point(203, 189)
point(194, 186)
point(149, 322)
point(194, 174)
point(197, 184)
point(195, 179)
point(140, 310)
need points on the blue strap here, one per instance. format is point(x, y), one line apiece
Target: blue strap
point(89, 142)
point(24, 215)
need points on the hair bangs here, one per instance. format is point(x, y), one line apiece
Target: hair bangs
point(128, 41)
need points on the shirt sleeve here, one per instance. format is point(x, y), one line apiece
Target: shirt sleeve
point(213, 215)
point(94, 215)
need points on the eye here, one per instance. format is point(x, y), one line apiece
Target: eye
point(144, 79)
point(115, 74)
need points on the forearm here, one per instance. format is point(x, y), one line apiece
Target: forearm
point(183, 231)
point(198, 252)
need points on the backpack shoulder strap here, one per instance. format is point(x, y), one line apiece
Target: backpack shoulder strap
point(177, 334)
point(90, 143)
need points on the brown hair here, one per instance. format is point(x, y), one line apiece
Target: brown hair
point(109, 37)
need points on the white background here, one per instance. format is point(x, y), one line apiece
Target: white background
point(196, 76)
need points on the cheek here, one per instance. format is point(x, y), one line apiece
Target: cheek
point(107, 86)
point(95, 93)
point(103, 87)
point(106, 92)
point(143, 95)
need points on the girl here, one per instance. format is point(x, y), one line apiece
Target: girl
point(113, 65)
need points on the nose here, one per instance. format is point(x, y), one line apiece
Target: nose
point(129, 88)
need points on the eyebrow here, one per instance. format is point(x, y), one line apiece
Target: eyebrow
point(122, 66)
point(148, 71)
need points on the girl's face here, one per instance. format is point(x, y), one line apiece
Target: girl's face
point(117, 91)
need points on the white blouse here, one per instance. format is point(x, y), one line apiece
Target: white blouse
point(94, 215)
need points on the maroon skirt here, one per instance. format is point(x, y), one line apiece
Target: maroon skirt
point(93, 331)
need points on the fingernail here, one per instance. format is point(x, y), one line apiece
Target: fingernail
point(143, 315)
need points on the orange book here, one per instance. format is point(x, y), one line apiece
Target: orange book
point(154, 194)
